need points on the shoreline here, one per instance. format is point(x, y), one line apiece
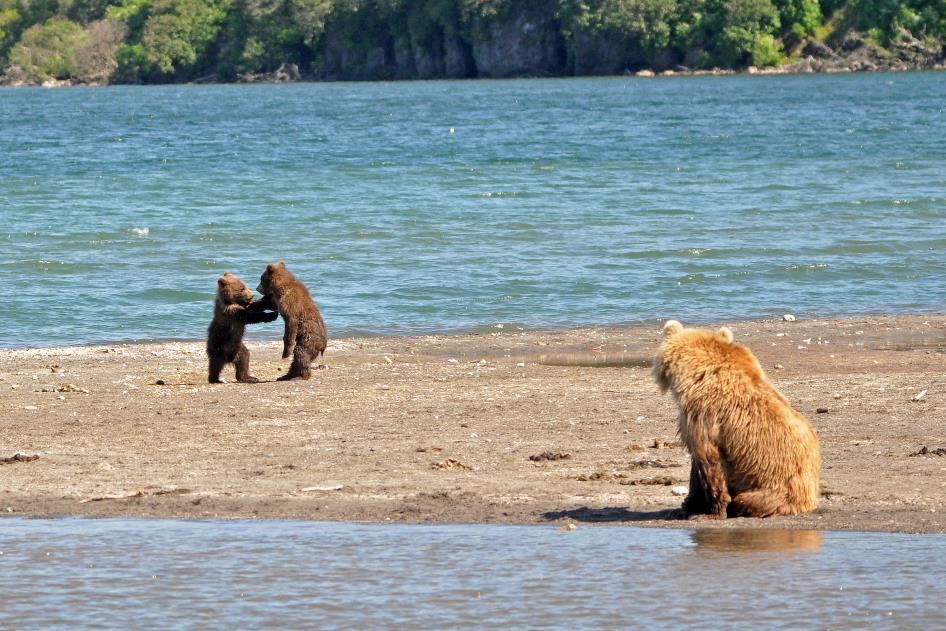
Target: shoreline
point(796, 69)
point(528, 427)
point(255, 336)
point(751, 71)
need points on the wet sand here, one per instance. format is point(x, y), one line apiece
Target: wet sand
point(506, 426)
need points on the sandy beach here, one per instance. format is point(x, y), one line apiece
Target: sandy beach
point(504, 426)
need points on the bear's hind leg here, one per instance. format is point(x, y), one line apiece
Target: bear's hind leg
point(706, 461)
point(301, 365)
point(696, 502)
point(213, 372)
point(242, 363)
point(759, 503)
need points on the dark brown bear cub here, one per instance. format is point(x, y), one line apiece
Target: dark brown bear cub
point(225, 334)
point(305, 337)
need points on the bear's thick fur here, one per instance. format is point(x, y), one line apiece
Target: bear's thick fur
point(752, 454)
point(225, 333)
point(305, 337)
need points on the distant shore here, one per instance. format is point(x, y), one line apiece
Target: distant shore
point(806, 66)
point(516, 427)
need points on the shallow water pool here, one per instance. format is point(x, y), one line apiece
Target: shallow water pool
point(280, 574)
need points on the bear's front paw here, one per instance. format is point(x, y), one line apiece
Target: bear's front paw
point(694, 504)
point(718, 510)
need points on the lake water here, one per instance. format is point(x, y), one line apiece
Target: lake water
point(160, 574)
point(418, 207)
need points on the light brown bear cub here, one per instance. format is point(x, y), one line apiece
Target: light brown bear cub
point(304, 337)
point(752, 454)
point(232, 312)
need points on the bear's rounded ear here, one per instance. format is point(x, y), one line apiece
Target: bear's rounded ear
point(672, 327)
point(221, 282)
point(281, 264)
point(726, 333)
point(270, 267)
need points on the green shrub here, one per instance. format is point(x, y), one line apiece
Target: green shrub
point(48, 50)
point(766, 51)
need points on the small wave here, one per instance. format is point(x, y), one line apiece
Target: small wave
point(166, 295)
point(806, 268)
point(58, 267)
point(140, 232)
point(502, 194)
point(487, 300)
point(499, 327)
point(644, 254)
point(372, 234)
point(858, 247)
point(699, 277)
point(670, 212)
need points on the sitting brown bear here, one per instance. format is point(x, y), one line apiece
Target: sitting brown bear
point(752, 454)
point(305, 337)
point(225, 334)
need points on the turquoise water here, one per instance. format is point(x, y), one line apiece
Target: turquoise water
point(550, 203)
point(165, 574)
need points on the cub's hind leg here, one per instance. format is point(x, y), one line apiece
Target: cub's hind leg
point(242, 363)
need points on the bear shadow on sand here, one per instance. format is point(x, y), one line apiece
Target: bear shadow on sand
point(612, 514)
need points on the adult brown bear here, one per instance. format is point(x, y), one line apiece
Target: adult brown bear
point(752, 454)
point(305, 337)
point(233, 310)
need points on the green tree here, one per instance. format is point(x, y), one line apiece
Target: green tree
point(48, 50)
point(279, 31)
point(803, 17)
point(133, 13)
point(38, 11)
point(736, 31)
point(178, 34)
point(86, 11)
point(10, 24)
point(649, 21)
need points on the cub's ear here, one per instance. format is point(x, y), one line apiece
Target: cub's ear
point(222, 281)
point(281, 264)
point(725, 333)
point(672, 327)
point(271, 266)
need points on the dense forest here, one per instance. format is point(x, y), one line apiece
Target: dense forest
point(163, 41)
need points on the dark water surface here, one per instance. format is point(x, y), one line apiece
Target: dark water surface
point(160, 574)
point(414, 207)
